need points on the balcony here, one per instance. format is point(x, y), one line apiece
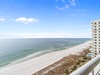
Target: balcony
point(90, 68)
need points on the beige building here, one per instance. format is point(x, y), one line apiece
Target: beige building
point(96, 37)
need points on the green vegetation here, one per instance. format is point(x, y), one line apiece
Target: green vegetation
point(66, 65)
point(81, 61)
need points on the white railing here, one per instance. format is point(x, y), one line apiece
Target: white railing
point(88, 67)
point(98, 73)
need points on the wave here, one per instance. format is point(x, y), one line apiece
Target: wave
point(34, 55)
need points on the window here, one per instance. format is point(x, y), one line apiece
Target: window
point(95, 37)
point(99, 28)
point(94, 29)
point(95, 42)
point(95, 23)
point(99, 22)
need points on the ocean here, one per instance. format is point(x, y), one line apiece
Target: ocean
point(17, 50)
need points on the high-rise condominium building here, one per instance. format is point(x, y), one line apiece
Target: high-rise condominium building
point(96, 37)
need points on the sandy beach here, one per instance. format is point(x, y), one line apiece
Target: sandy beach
point(33, 65)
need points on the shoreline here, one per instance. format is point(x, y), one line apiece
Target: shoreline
point(32, 56)
point(35, 55)
point(33, 65)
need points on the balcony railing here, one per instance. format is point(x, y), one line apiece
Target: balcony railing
point(89, 68)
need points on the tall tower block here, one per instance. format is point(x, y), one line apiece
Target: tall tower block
point(96, 37)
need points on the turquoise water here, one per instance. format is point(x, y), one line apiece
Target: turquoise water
point(13, 51)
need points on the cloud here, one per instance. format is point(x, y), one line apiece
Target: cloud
point(66, 4)
point(20, 19)
point(35, 35)
point(26, 20)
point(72, 2)
point(45, 35)
point(59, 8)
point(2, 18)
point(6, 18)
point(86, 33)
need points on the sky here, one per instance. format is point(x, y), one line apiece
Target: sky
point(47, 18)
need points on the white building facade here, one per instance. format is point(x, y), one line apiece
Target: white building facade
point(96, 37)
